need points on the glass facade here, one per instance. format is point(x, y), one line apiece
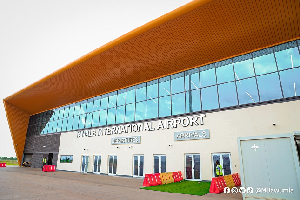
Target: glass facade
point(268, 74)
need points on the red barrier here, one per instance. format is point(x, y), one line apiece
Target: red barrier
point(149, 180)
point(236, 179)
point(49, 168)
point(180, 176)
point(157, 178)
point(217, 185)
point(2, 164)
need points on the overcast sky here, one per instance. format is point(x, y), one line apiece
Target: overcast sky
point(38, 37)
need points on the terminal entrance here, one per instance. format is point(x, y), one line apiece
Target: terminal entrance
point(112, 165)
point(97, 164)
point(224, 160)
point(84, 164)
point(192, 166)
point(138, 165)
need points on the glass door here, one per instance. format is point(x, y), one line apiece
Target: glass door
point(112, 165)
point(159, 163)
point(138, 165)
point(192, 167)
point(97, 164)
point(225, 162)
point(84, 164)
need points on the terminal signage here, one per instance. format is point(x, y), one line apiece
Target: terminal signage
point(191, 135)
point(195, 120)
point(126, 140)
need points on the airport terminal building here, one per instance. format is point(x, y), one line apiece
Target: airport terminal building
point(172, 95)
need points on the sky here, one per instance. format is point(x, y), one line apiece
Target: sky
point(37, 37)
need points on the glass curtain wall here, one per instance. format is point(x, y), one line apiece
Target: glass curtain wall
point(268, 74)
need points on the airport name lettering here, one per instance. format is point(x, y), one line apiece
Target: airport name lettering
point(146, 126)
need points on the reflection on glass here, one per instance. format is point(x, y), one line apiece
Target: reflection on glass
point(70, 124)
point(112, 99)
point(141, 92)
point(152, 89)
point(59, 124)
point(156, 164)
point(207, 77)
point(81, 121)
point(227, 95)
point(89, 106)
point(264, 64)
point(163, 164)
point(140, 112)
point(177, 83)
point(152, 108)
point(164, 106)
point(164, 86)
point(115, 165)
point(111, 116)
point(141, 166)
point(121, 97)
point(96, 116)
point(135, 165)
point(269, 87)
point(130, 98)
point(288, 58)
point(225, 73)
point(226, 164)
point(129, 113)
point(193, 102)
point(188, 166)
point(120, 114)
point(96, 104)
point(196, 159)
point(110, 164)
point(88, 122)
point(104, 102)
point(83, 108)
point(76, 109)
point(192, 80)
point(247, 91)
point(209, 98)
point(71, 111)
point(290, 82)
point(178, 104)
point(75, 122)
point(103, 115)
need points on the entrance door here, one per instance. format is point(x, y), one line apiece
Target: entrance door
point(224, 159)
point(138, 165)
point(192, 166)
point(159, 163)
point(84, 163)
point(112, 165)
point(97, 164)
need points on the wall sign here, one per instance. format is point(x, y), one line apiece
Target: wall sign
point(126, 140)
point(192, 135)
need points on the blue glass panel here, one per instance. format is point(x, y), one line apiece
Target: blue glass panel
point(288, 58)
point(207, 77)
point(76, 122)
point(177, 83)
point(140, 111)
point(264, 64)
point(164, 86)
point(89, 106)
point(112, 100)
point(77, 109)
point(67, 110)
point(130, 98)
point(83, 108)
point(61, 113)
point(70, 124)
point(225, 73)
point(103, 116)
point(111, 117)
point(104, 102)
point(269, 87)
point(192, 79)
point(193, 102)
point(64, 124)
point(121, 97)
point(96, 117)
point(56, 114)
point(129, 113)
point(290, 82)
point(81, 121)
point(71, 111)
point(120, 114)
point(152, 108)
point(247, 91)
point(209, 97)
point(178, 103)
point(88, 122)
point(152, 89)
point(165, 106)
point(59, 125)
point(96, 104)
point(54, 126)
point(45, 130)
point(227, 95)
point(141, 92)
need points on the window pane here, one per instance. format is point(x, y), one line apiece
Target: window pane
point(193, 103)
point(288, 58)
point(269, 87)
point(141, 92)
point(120, 114)
point(209, 98)
point(152, 89)
point(164, 86)
point(75, 122)
point(121, 97)
point(207, 77)
point(163, 164)
point(264, 64)
point(112, 100)
point(70, 124)
point(290, 82)
point(61, 113)
point(77, 109)
point(244, 69)
point(67, 110)
point(59, 125)
point(130, 98)
point(165, 106)
point(225, 73)
point(192, 80)
point(111, 116)
point(104, 102)
point(178, 104)
point(72, 111)
point(247, 91)
point(81, 121)
point(129, 113)
point(96, 116)
point(88, 122)
point(45, 130)
point(103, 115)
point(64, 124)
point(96, 104)
point(227, 95)
point(89, 106)
point(177, 83)
point(152, 108)
point(54, 126)
point(140, 111)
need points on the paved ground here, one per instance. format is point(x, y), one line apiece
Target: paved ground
point(30, 183)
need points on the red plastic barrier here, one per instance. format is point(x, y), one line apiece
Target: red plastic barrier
point(2, 164)
point(180, 176)
point(175, 177)
point(236, 179)
point(49, 168)
point(217, 185)
point(157, 178)
point(149, 180)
